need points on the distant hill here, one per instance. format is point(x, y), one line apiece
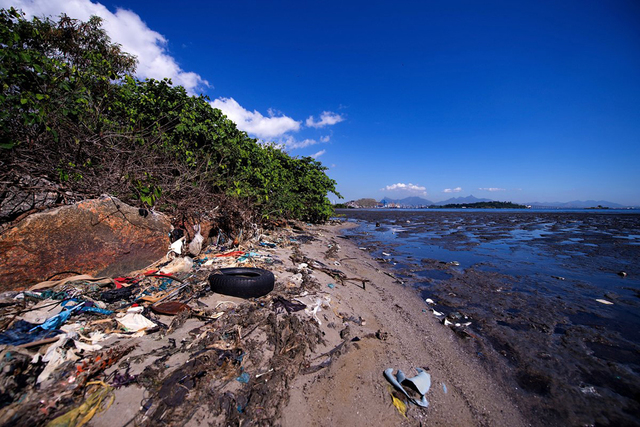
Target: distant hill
point(462, 200)
point(577, 204)
point(408, 201)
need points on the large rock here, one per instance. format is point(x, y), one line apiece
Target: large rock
point(101, 237)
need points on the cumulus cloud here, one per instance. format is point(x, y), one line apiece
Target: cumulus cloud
point(123, 27)
point(405, 187)
point(291, 143)
point(255, 123)
point(325, 138)
point(327, 118)
point(318, 154)
point(452, 190)
point(491, 189)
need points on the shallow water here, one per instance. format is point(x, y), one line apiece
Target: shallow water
point(529, 282)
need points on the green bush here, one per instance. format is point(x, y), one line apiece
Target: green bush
point(72, 113)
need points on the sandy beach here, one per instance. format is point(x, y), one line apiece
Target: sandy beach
point(261, 363)
point(353, 391)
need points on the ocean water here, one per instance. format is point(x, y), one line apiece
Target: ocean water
point(548, 300)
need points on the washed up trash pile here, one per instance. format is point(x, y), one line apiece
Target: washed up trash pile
point(68, 345)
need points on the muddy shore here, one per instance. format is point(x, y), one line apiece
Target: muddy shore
point(550, 299)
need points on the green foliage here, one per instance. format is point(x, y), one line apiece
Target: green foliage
point(71, 112)
point(53, 75)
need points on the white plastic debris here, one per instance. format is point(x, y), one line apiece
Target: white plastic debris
point(195, 246)
point(178, 265)
point(314, 307)
point(604, 301)
point(176, 248)
point(429, 301)
point(437, 313)
point(135, 322)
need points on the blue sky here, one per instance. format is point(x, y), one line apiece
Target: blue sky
point(520, 101)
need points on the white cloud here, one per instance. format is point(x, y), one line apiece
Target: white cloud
point(325, 138)
point(290, 143)
point(405, 187)
point(124, 27)
point(327, 118)
point(318, 154)
point(491, 189)
point(255, 123)
point(452, 190)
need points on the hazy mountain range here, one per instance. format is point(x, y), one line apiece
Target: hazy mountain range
point(419, 201)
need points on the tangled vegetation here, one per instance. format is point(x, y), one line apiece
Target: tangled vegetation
point(75, 124)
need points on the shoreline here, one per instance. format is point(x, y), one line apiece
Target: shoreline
point(352, 390)
point(258, 363)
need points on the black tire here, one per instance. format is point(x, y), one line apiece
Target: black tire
point(242, 282)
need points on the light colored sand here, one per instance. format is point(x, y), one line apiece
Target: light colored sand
point(352, 390)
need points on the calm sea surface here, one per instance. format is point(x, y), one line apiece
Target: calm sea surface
point(549, 300)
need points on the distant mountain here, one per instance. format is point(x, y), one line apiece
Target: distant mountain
point(578, 204)
point(408, 201)
point(462, 200)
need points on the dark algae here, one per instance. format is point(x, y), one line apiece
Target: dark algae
point(537, 296)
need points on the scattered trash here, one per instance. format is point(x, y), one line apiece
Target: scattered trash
point(420, 383)
point(400, 405)
point(557, 277)
point(604, 301)
point(94, 404)
point(133, 321)
point(454, 263)
point(175, 249)
point(429, 301)
point(67, 333)
point(282, 304)
point(171, 308)
point(444, 388)
point(242, 282)
point(178, 265)
point(243, 378)
point(195, 246)
point(589, 390)
point(622, 273)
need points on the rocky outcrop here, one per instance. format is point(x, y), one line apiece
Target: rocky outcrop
point(100, 237)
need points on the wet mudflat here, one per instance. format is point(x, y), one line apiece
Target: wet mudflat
point(549, 301)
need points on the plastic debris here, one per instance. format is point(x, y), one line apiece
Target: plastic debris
point(94, 404)
point(421, 383)
point(178, 265)
point(195, 246)
point(176, 248)
point(400, 405)
point(429, 301)
point(331, 285)
point(133, 321)
point(604, 301)
point(243, 378)
point(23, 332)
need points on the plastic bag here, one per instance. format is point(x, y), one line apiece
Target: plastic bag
point(195, 246)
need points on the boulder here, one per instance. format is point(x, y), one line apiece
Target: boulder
point(99, 237)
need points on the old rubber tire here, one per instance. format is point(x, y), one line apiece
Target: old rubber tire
point(242, 282)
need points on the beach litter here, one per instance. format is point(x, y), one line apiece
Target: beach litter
point(420, 383)
point(74, 341)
